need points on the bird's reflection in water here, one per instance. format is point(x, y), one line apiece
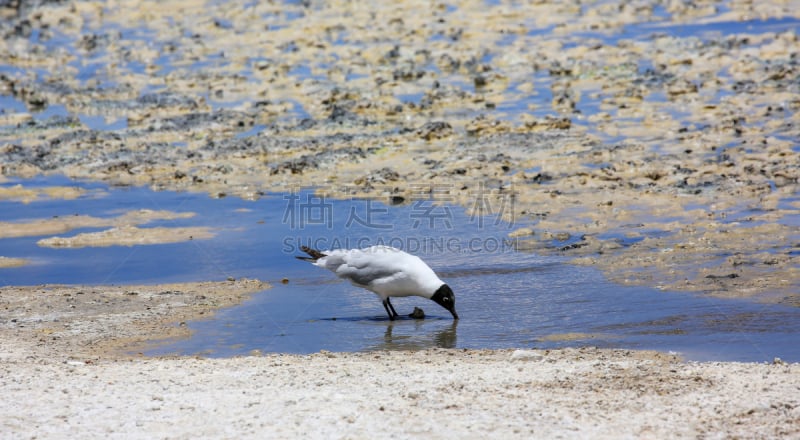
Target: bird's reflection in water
point(441, 337)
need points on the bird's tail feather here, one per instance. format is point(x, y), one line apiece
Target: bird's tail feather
point(314, 254)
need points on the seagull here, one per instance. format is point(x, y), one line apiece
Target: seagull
point(387, 272)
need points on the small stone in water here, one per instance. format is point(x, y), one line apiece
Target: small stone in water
point(417, 313)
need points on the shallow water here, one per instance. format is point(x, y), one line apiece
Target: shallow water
point(505, 298)
point(90, 67)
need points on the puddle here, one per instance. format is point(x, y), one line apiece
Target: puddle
point(543, 305)
point(505, 298)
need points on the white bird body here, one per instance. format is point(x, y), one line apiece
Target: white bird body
point(384, 270)
point(387, 272)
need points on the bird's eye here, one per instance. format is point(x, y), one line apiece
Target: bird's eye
point(446, 299)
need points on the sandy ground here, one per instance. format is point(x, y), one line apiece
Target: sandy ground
point(667, 161)
point(92, 322)
point(582, 393)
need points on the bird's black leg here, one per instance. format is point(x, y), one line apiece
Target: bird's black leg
point(386, 306)
point(394, 312)
point(390, 309)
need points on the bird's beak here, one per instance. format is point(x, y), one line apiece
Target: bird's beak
point(453, 311)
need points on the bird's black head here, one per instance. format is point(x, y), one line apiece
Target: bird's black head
point(444, 297)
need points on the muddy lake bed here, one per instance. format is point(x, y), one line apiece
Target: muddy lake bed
point(598, 174)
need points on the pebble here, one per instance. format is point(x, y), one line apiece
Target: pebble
point(417, 313)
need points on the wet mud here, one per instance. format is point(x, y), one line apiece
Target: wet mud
point(94, 322)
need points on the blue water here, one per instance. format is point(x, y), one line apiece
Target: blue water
point(505, 298)
point(713, 29)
